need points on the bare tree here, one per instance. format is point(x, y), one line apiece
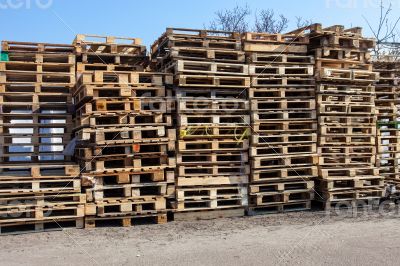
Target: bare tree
point(266, 21)
point(386, 32)
point(301, 22)
point(231, 19)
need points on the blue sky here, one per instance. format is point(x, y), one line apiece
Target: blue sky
point(60, 20)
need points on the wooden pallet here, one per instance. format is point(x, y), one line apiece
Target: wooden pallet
point(47, 78)
point(285, 81)
point(346, 99)
point(34, 57)
point(202, 54)
point(220, 180)
point(40, 213)
point(360, 194)
point(339, 75)
point(210, 204)
point(275, 43)
point(281, 71)
point(126, 221)
point(348, 130)
point(284, 161)
point(352, 90)
point(279, 208)
point(99, 152)
point(280, 187)
point(342, 64)
point(213, 170)
point(281, 127)
point(127, 177)
point(353, 204)
point(108, 44)
point(343, 109)
point(88, 92)
point(126, 134)
point(208, 214)
point(89, 67)
point(211, 193)
point(273, 199)
point(40, 226)
point(14, 138)
point(124, 105)
point(35, 157)
point(267, 38)
point(220, 145)
point(335, 140)
point(342, 41)
point(35, 88)
point(282, 104)
point(139, 62)
point(224, 131)
point(38, 170)
point(128, 163)
point(212, 81)
point(23, 201)
point(103, 40)
point(280, 59)
point(113, 207)
point(284, 139)
point(13, 67)
point(355, 121)
point(342, 54)
point(47, 48)
point(222, 119)
point(111, 119)
point(348, 160)
point(296, 115)
point(342, 183)
point(283, 174)
point(219, 106)
point(299, 93)
point(14, 186)
point(140, 191)
point(124, 78)
point(25, 153)
point(209, 68)
point(213, 40)
point(327, 172)
point(343, 150)
point(216, 94)
point(290, 149)
point(206, 158)
point(37, 103)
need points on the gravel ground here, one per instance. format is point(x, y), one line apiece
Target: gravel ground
point(305, 238)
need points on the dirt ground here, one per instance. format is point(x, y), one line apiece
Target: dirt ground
point(306, 238)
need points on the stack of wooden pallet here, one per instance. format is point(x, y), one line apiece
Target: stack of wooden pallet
point(211, 88)
point(39, 185)
point(386, 101)
point(123, 142)
point(346, 117)
point(284, 140)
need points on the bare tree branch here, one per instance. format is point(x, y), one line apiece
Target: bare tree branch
point(267, 22)
point(385, 32)
point(231, 19)
point(301, 23)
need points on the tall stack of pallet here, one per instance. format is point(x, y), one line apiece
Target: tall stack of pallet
point(39, 185)
point(211, 88)
point(346, 117)
point(284, 138)
point(386, 102)
point(124, 145)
